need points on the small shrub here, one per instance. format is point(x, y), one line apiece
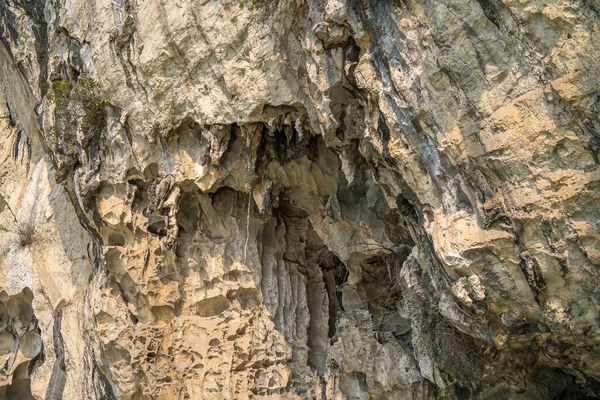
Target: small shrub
point(252, 4)
point(86, 93)
point(52, 130)
point(59, 94)
point(79, 119)
point(26, 232)
point(81, 101)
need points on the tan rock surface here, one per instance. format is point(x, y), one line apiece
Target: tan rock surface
point(299, 199)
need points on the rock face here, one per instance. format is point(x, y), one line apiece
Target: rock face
point(341, 199)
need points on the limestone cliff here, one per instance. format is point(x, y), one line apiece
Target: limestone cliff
point(299, 199)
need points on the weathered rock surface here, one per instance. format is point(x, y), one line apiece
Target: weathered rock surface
point(341, 199)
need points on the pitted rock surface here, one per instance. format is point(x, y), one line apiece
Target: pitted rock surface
point(269, 199)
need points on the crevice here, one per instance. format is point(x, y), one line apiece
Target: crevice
point(58, 378)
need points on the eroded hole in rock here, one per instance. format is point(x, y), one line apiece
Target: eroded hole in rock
point(113, 262)
point(572, 388)
point(188, 220)
point(212, 306)
point(116, 239)
point(151, 171)
point(21, 346)
point(7, 342)
point(234, 276)
point(158, 228)
point(163, 313)
point(246, 298)
point(382, 295)
point(188, 213)
point(354, 383)
point(140, 199)
point(335, 275)
point(104, 319)
point(31, 344)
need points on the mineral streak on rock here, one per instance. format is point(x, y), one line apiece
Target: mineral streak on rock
point(299, 199)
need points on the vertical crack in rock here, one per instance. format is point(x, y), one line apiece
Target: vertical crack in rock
point(59, 372)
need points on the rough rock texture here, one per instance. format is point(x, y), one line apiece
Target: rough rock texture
point(341, 199)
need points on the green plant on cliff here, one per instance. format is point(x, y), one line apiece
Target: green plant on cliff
point(59, 93)
point(25, 230)
point(77, 103)
point(251, 4)
point(79, 118)
point(87, 94)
